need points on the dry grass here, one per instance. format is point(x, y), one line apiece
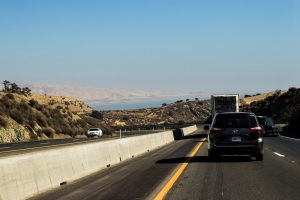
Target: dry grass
point(260, 97)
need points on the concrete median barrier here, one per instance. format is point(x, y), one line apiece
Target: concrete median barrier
point(189, 130)
point(28, 174)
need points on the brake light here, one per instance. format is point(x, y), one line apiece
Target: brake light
point(256, 130)
point(214, 131)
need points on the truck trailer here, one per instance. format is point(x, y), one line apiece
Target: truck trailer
point(225, 103)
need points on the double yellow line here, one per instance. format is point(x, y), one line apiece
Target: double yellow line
point(175, 177)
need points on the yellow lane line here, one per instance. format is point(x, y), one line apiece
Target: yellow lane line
point(175, 177)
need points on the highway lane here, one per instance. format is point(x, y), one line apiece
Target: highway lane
point(233, 177)
point(230, 177)
point(138, 178)
point(21, 147)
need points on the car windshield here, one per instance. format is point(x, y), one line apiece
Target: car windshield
point(235, 121)
point(94, 129)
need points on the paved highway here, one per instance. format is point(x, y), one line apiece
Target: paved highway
point(181, 171)
point(21, 147)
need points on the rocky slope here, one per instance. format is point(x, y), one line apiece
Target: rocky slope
point(181, 112)
point(28, 117)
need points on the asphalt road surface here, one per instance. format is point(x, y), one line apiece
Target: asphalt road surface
point(195, 177)
point(21, 147)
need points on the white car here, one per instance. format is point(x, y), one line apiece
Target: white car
point(94, 132)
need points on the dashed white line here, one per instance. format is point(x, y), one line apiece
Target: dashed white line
point(45, 143)
point(278, 154)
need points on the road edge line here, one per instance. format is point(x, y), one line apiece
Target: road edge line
point(291, 138)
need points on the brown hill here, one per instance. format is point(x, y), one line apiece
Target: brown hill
point(260, 97)
point(180, 112)
point(31, 117)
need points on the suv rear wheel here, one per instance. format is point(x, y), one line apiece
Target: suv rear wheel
point(259, 156)
point(212, 155)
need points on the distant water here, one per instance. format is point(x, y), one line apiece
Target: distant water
point(133, 105)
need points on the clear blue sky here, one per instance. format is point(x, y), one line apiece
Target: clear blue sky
point(213, 46)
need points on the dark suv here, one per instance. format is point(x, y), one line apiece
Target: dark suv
point(268, 125)
point(235, 133)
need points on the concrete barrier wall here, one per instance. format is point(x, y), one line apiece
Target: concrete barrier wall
point(28, 174)
point(189, 130)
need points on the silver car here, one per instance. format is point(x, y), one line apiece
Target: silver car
point(94, 132)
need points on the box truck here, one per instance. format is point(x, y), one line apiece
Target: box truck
point(225, 103)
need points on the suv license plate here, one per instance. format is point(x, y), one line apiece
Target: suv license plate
point(236, 139)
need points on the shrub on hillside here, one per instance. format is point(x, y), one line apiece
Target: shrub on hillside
point(17, 115)
point(3, 122)
point(33, 103)
point(41, 119)
point(7, 102)
point(96, 114)
point(10, 96)
point(125, 118)
point(49, 132)
point(81, 123)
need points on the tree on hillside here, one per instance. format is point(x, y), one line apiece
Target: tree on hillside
point(6, 85)
point(14, 88)
point(26, 91)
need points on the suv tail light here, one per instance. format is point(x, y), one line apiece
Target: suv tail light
point(214, 131)
point(256, 131)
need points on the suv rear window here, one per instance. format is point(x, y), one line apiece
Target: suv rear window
point(235, 121)
point(94, 129)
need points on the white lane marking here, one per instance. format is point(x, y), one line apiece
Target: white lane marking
point(290, 138)
point(278, 154)
point(75, 140)
point(45, 143)
point(5, 147)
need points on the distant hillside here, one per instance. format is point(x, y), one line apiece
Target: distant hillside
point(284, 107)
point(34, 116)
point(95, 96)
point(259, 97)
point(180, 112)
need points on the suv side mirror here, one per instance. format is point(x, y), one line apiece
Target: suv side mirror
point(206, 128)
